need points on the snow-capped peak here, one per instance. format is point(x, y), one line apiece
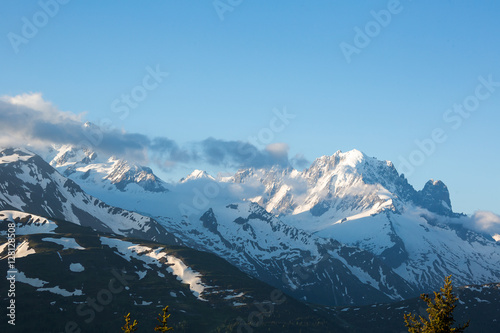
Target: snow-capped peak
point(345, 184)
point(89, 125)
point(352, 157)
point(197, 174)
point(349, 161)
point(68, 155)
point(101, 171)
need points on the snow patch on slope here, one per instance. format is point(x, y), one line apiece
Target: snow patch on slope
point(63, 292)
point(150, 256)
point(186, 275)
point(35, 282)
point(35, 224)
point(67, 243)
point(76, 267)
point(23, 250)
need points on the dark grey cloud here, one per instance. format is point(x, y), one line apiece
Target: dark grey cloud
point(21, 124)
point(299, 162)
point(56, 133)
point(28, 119)
point(240, 154)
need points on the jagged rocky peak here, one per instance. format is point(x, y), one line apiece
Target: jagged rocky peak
point(344, 170)
point(352, 160)
point(85, 164)
point(265, 175)
point(342, 181)
point(435, 197)
point(241, 175)
point(209, 220)
point(68, 155)
point(124, 173)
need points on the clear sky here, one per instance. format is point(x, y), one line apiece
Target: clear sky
point(349, 80)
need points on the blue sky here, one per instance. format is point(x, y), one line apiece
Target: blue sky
point(225, 77)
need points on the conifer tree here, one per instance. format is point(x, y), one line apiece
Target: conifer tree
point(163, 321)
point(440, 312)
point(129, 328)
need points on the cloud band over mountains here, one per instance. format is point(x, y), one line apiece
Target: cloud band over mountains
point(29, 119)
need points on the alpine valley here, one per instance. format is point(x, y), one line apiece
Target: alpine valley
point(297, 249)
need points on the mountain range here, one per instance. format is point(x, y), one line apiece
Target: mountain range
point(347, 231)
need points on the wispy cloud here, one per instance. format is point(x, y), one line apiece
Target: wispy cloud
point(28, 118)
point(486, 222)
